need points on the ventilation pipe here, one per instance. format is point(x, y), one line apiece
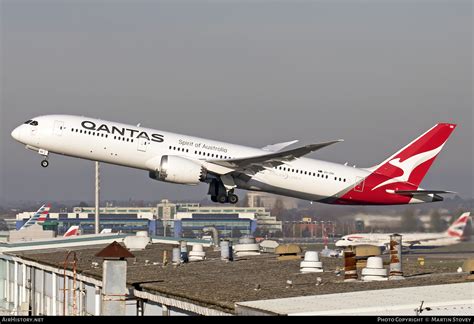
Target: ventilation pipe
point(215, 234)
point(350, 269)
point(114, 279)
point(396, 272)
point(311, 262)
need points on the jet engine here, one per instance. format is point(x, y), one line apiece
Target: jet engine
point(180, 170)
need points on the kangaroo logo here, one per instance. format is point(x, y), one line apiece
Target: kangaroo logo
point(409, 165)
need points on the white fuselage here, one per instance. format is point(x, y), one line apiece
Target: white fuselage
point(142, 148)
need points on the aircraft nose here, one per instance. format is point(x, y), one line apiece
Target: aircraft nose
point(16, 133)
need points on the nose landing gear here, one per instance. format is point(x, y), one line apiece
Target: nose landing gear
point(45, 154)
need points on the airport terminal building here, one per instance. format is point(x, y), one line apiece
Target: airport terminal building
point(165, 219)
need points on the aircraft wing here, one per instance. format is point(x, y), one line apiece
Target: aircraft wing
point(253, 164)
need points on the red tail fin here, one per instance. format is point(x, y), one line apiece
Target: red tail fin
point(412, 162)
point(72, 231)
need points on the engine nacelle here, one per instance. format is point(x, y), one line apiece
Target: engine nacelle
point(180, 170)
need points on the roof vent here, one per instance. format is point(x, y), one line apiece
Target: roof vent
point(114, 251)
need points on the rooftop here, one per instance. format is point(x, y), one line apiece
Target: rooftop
point(217, 284)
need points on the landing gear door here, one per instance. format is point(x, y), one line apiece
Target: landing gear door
point(359, 186)
point(142, 144)
point(58, 128)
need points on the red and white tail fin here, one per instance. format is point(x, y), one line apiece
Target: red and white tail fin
point(39, 217)
point(72, 231)
point(412, 162)
point(457, 229)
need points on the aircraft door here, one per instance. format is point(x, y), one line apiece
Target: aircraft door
point(359, 186)
point(143, 144)
point(58, 127)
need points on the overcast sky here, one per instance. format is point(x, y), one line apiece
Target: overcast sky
point(376, 74)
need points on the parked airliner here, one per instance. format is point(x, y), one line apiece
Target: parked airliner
point(278, 168)
point(453, 235)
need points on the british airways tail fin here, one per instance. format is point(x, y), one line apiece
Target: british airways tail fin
point(411, 163)
point(39, 217)
point(457, 229)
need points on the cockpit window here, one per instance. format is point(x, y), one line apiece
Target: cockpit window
point(32, 122)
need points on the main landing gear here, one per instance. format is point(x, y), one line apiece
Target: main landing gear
point(220, 194)
point(44, 163)
point(229, 198)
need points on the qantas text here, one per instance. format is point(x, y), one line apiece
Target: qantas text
point(122, 131)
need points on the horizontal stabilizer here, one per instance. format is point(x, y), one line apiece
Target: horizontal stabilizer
point(420, 192)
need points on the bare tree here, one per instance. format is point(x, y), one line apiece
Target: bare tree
point(436, 223)
point(409, 221)
point(278, 209)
